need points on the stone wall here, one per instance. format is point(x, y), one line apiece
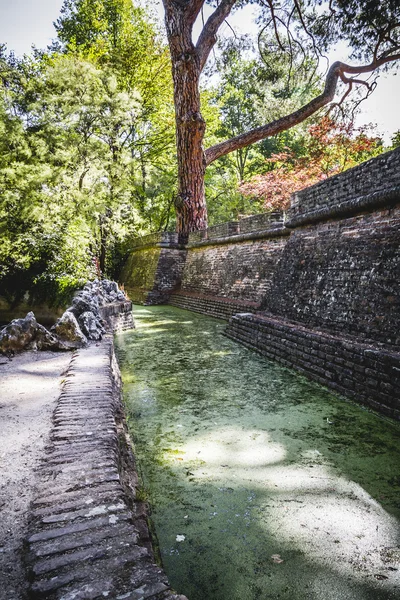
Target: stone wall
point(373, 183)
point(154, 269)
point(366, 373)
point(214, 306)
point(342, 276)
point(241, 271)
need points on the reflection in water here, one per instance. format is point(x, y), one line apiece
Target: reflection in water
point(262, 484)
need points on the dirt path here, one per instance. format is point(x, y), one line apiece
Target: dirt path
point(30, 383)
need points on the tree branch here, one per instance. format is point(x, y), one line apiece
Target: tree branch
point(193, 10)
point(337, 70)
point(208, 36)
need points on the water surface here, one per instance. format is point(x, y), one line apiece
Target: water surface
point(262, 485)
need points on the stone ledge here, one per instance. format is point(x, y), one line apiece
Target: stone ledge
point(212, 306)
point(351, 207)
point(271, 232)
point(88, 534)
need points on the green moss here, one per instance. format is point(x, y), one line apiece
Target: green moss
point(249, 461)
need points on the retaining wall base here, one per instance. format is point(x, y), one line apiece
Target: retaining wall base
point(212, 306)
point(369, 374)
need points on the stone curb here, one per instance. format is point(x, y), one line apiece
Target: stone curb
point(88, 535)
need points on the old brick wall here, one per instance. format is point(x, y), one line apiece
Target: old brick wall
point(368, 185)
point(366, 373)
point(240, 271)
point(152, 272)
point(342, 276)
point(318, 291)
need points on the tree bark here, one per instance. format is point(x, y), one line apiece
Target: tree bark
point(190, 202)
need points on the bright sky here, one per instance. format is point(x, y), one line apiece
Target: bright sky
point(27, 22)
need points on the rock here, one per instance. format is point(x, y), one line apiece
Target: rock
point(44, 340)
point(68, 330)
point(26, 333)
point(84, 302)
point(91, 326)
point(15, 336)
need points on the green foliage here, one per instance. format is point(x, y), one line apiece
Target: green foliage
point(251, 91)
point(86, 132)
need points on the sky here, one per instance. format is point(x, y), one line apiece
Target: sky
point(27, 22)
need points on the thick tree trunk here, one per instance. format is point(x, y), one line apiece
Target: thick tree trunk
point(190, 203)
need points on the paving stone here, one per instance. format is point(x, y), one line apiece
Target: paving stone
point(124, 532)
point(78, 504)
point(113, 547)
point(49, 534)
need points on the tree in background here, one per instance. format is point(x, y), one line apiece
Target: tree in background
point(329, 148)
point(250, 90)
point(371, 27)
point(87, 133)
point(120, 36)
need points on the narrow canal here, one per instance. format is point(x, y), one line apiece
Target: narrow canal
point(262, 485)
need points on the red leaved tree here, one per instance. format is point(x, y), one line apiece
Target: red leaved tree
point(331, 148)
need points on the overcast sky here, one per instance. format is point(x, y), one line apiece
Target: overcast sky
point(27, 22)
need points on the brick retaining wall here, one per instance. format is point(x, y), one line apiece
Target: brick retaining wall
point(366, 373)
point(332, 267)
point(220, 308)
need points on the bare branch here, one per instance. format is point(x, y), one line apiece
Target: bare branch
point(273, 17)
point(208, 35)
point(337, 70)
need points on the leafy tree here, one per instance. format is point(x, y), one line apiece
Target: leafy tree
point(371, 27)
point(119, 36)
point(330, 149)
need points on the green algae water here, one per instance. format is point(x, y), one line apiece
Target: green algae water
point(262, 485)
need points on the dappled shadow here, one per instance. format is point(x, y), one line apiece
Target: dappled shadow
point(248, 460)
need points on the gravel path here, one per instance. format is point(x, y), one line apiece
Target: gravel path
point(30, 383)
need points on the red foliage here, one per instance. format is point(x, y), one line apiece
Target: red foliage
point(331, 148)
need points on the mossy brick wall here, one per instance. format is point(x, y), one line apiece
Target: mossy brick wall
point(152, 273)
point(239, 271)
point(342, 276)
point(363, 372)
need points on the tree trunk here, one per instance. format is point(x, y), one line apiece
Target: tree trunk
point(190, 202)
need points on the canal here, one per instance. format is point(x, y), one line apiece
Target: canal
point(262, 485)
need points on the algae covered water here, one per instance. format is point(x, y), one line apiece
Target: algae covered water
point(262, 485)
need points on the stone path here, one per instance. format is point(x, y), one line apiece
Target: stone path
point(88, 534)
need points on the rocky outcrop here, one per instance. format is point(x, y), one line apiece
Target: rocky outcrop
point(27, 334)
point(80, 322)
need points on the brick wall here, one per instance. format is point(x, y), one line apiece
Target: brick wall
point(343, 276)
point(213, 306)
point(241, 271)
point(377, 181)
point(366, 373)
point(151, 273)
